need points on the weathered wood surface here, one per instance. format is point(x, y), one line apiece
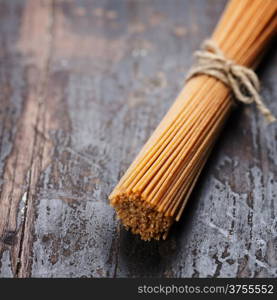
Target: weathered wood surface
point(83, 84)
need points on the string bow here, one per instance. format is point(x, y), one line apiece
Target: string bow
point(243, 81)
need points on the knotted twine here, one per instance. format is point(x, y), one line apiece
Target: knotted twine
point(243, 81)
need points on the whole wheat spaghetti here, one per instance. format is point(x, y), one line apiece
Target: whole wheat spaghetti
point(155, 189)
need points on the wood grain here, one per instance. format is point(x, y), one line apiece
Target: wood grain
point(83, 85)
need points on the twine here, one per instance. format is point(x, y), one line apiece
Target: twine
point(243, 81)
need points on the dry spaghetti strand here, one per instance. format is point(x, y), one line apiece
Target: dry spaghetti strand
point(155, 189)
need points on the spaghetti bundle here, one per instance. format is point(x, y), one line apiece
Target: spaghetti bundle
point(154, 191)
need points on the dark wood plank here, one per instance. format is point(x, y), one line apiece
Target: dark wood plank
point(84, 87)
point(11, 106)
point(28, 146)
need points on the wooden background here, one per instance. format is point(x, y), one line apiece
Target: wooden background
point(82, 86)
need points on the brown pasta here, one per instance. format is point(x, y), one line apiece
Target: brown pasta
point(155, 189)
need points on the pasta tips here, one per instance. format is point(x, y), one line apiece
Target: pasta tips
point(141, 218)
